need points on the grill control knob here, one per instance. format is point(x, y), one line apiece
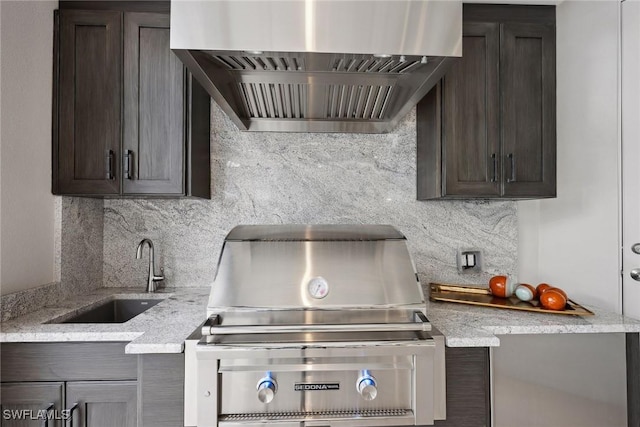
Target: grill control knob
point(267, 388)
point(367, 386)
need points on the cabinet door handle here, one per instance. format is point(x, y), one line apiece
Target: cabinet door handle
point(494, 159)
point(71, 411)
point(108, 164)
point(512, 161)
point(50, 408)
point(128, 154)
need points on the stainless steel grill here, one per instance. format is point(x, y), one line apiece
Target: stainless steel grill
point(315, 325)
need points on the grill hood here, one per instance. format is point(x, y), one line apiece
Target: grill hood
point(275, 267)
point(317, 65)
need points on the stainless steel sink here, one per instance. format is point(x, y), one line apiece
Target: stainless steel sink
point(114, 311)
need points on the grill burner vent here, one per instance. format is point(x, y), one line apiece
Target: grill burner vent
point(317, 414)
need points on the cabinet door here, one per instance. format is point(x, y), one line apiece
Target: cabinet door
point(89, 98)
point(528, 109)
point(154, 115)
point(32, 404)
point(103, 403)
point(468, 388)
point(471, 108)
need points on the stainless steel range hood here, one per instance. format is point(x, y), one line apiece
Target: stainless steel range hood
point(317, 65)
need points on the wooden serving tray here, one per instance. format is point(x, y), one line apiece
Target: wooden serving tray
point(482, 296)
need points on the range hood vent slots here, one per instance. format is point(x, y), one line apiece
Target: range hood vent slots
point(274, 100)
point(357, 102)
point(301, 77)
point(266, 63)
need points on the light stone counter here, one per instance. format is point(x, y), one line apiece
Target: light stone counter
point(161, 329)
point(473, 326)
point(164, 327)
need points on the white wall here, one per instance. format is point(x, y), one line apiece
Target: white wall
point(27, 208)
point(630, 153)
point(573, 241)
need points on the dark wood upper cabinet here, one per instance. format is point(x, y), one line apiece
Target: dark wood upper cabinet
point(471, 110)
point(90, 87)
point(154, 131)
point(128, 118)
point(488, 130)
point(529, 109)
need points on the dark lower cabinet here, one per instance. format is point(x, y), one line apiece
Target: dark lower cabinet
point(103, 403)
point(128, 118)
point(488, 129)
point(161, 390)
point(104, 387)
point(32, 404)
point(97, 384)
point(468, 388)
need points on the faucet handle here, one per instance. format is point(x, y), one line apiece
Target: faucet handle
point(160, 277)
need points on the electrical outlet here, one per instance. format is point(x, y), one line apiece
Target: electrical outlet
point(469, 260)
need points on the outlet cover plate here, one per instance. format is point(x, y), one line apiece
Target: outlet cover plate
point(469, 260)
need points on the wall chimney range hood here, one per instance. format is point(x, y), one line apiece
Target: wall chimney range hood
point(317, 65)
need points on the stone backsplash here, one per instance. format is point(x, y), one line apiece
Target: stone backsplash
point(269, 178)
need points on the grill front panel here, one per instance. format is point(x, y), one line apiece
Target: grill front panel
point(334, 391)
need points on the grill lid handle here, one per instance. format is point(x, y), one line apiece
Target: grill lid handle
point(213, 326)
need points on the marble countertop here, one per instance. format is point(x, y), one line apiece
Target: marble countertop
point(161, 329)
point(164, 327)
point(473, 326)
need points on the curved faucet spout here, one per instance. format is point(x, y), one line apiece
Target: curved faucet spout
point(151, 282)
point(141, 245)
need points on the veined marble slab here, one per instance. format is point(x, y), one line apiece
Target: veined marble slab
point(306, 178)
point(161, 329)
point(473, 326)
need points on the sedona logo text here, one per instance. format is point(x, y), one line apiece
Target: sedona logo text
point(316, 386)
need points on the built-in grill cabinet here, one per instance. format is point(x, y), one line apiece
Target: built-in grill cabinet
point(320, 325)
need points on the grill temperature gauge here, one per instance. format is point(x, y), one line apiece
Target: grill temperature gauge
point(318, 287)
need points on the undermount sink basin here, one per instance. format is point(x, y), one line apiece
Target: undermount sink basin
point(114, 311)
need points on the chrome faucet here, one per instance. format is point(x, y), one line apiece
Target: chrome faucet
point(151, 282)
